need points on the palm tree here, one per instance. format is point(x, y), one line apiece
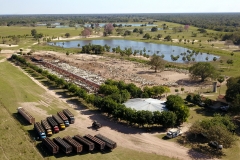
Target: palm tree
point(220, 79)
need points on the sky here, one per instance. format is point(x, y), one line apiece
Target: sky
point(116, 6)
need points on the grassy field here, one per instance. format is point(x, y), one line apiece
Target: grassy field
point(14, 142)
point(17, 88)
point(56, 32)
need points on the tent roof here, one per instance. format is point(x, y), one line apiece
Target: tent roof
point(148, 104)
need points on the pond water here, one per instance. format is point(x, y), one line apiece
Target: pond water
point(151, 48)
point(124, 24)
point(100, 25)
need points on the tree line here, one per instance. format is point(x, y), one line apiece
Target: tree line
point(112, 93)
point(227, 22)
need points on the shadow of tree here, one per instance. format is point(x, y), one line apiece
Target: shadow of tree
point(205, 111)
point(199, 147)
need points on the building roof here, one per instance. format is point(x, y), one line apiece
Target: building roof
point(147, 104)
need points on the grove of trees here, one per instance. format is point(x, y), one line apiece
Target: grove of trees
point(219, 129)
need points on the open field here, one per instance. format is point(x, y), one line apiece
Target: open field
point(15, 142)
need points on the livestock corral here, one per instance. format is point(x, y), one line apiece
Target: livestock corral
point(90, 71)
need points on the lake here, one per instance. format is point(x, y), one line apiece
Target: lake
point(151, 48)
point(123, 24)
point(100, 25)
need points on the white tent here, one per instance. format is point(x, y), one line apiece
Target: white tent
point(147, 104)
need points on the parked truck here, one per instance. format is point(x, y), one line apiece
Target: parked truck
point(77, 147)
point(173, 133)
point(52, 147)
point(87, 145)
point(64, 118)
point(59, 122)
point(64, 146)
point(40, 131)
point(69, 115)
point(26, 115)
point(98, 143)
point(47, 128)
point(109, 143)
point(53, 124)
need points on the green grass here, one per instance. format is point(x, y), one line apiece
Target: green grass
point(15, 142)
point(16, 88)
point(118, 154)
point(56, 32)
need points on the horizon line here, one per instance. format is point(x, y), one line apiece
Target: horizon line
point(115, 13)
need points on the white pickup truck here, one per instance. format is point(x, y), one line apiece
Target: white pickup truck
point(173, 133)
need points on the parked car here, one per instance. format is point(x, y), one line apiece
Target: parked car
point(201, 104)
point(224, 108)
point(215, 144)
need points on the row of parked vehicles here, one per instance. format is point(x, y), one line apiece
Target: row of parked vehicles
point(50, 125)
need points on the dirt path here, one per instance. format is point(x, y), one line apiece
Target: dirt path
point(125, 136)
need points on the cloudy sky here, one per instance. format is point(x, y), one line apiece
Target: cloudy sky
point(116, 6)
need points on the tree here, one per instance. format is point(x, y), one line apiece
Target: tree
point(78, 45)
point(173, 101)
point(186, 27)
point(141, 31)
point(217, 129)
point(229, 62)
point(157, 63)
point(154, 29)
point(108, 28)
point(168, 38)
point(86, 32)
point(135, 30)
point(33, 32)
point(228, 43)
point(147, 36)
point(168, 119)
point(214, 59)
point(203, 70)
point(182, 89)
point(176, 104)
point(233, 88)
point(67, 35)
point(144, 49)
point(159, 36)
point(220, 79)
point(158, 90)
point(67, 53)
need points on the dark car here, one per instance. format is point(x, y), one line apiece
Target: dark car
point(215, 144)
